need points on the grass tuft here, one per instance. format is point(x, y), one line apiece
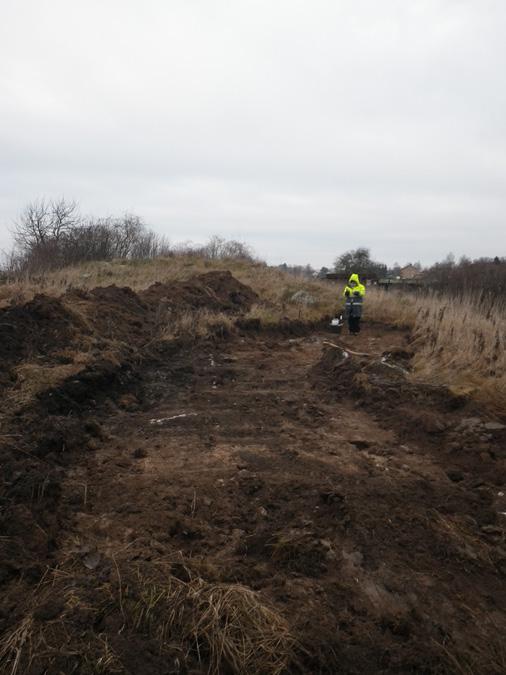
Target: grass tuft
point(217, 627)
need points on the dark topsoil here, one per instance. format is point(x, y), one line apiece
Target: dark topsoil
point(365, 509)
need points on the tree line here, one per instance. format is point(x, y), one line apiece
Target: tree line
point(54, 234)
point(476, 276)
point(466, 275)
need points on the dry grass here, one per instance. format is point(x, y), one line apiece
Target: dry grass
point(15, 644)
point(458, 535)
point(226, 625)
point(459, 342)
point(194, 324)
point(222, 627)
point(32, 378)
point(485, 654)
point(239, 629)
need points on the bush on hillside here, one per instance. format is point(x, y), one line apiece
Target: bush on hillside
point(51, 235)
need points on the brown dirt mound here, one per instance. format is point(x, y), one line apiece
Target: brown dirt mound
point(114, 313)
point(120, 314)
point(218, 291)
point(38, 328)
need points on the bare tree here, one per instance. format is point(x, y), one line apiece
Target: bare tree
point(64, 217)
point(42, 222)
point(359, 261)
point(53, 234)
point(218, 248)
point(32, 228)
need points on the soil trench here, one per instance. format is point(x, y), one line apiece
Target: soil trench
point(382, 548)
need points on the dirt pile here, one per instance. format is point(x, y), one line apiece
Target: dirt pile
point(121, 315)
point(217, 291)
point(38, 330)
point(53, 331)
point(112, 313)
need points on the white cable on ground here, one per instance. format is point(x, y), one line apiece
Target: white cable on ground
point(345, 349)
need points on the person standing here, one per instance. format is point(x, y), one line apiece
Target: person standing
point(354, 298)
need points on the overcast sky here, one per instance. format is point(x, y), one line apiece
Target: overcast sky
point(304, 128)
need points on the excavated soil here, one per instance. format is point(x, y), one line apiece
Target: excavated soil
point(365, 511)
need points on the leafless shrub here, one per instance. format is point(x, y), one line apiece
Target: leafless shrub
point(217, 248)
point(42, 222)
point(483, 276)
point(52, 235)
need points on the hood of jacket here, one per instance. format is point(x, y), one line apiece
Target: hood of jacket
point(358, 288)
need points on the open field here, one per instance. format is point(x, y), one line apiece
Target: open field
point(196, 481)
point(460, 342)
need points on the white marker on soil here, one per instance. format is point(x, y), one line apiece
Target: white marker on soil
point(162, 420)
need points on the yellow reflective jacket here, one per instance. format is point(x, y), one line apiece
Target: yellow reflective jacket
point(360, 288)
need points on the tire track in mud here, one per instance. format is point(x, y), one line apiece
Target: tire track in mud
point(236, 458)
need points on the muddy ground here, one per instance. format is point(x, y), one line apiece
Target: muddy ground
point(366, 512)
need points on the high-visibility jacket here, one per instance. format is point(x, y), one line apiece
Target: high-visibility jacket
point(354, 297)
point(360, 288)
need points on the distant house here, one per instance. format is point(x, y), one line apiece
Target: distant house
point(410, 272)
point(367, 279)
point(410, 277)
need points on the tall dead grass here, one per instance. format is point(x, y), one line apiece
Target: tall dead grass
point(199, 323)
point(459, 342)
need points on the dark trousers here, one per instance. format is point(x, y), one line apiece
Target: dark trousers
point(354, 324)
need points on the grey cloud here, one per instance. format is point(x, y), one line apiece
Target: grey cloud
point(304, 128)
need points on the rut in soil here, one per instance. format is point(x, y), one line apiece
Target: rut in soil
point(255, 467)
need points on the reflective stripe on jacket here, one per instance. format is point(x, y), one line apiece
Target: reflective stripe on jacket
point(353, 305)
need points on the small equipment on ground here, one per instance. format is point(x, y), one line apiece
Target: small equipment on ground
point(336, 324)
